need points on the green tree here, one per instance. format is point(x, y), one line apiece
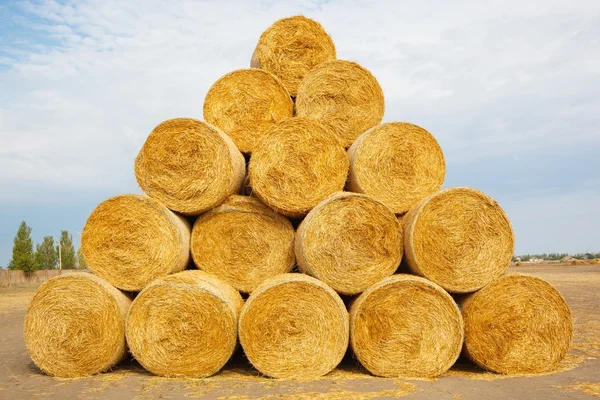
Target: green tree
point(23, 257)
point(45, 254)
point(81, 264)
point(67, 250)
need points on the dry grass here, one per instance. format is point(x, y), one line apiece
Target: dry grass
point(294, 326)
point(189, 165)
point(131, 240)
point(12, 298)
point(75, 326)
point(343, 96)
point(517, 324)
point(459, 238)
point(245, 104)
point(296, 165)
point(397, 163)
point(184, 325)
point(406, 326)
point(349, 241)
point(290, 48)
point(590, 388)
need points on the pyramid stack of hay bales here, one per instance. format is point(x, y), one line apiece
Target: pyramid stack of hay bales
point(394, 244)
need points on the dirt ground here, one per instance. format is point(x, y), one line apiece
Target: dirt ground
point(577, 378)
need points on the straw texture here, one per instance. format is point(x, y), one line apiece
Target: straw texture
point(343, 96)
point(406, 326)
point(245, 104)
point(397, 163)
point(189, 165)
point(290, 48)
point(294, 326)
point(131, 240)
point(349, 241)
point(184, 325)
point(243, 242)
point(517, 324)
point(75, 326)
point(459, 238)
point(297, 165)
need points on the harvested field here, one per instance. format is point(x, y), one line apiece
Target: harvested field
point(578, 377)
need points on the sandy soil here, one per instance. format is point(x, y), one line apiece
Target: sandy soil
point(577, 378)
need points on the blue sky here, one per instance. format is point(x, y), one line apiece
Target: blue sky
point(509, 89)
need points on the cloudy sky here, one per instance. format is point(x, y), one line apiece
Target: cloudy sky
point(510, 89)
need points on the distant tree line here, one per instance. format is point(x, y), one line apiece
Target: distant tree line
point(557, 256)
point(46, 255)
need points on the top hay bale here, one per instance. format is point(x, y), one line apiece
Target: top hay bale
point(189, 165)
point(343, 96)
point(290, 48)
point(245, 104)
point(397, 163)
point(459, 238)
point(296, 165)
point(131, 240)
point(75, 326)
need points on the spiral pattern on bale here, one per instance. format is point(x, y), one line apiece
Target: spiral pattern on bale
point(243, 242)
point(294, 326)
point(349, 241)
point(189, 165)
point(245, 104)
point(296, 165)
point(459, 238)
point(397, 163)
point(343, 96)
point(75, 326)
point(406, 326)
point(290, 48)
point(184, 325)
point(517, 324)
point(130, 240)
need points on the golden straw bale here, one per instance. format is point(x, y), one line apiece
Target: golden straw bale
point(189, 165)
point(294, 326)
point(596, 261)
point(397, 163)
point(577, 262)
point(290, 48)
point(131, 240)
point(406, 326)
point(343, 96)
point(517, 324)
point(349, 241)
point(243, 242)
point(184, 325)
point(297, 165)
point(75, 326)
point(459, 238)
point(245, 104)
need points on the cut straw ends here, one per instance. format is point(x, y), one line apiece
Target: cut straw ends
point(189, 165)
point(184, 325)
point(517, 324)
point(75, 326)
point(294, 326)
point(131, 240)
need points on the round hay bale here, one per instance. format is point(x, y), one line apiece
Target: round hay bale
point(184, 325)
point(189, 165)
point(297, 165)
point(243, 242)
point(343, 96)
point(131, 240)
point(517, 324)
point(245, 104)
point(290, 48)
point(349, 241)
point(459, 238)
point(406, 326)
point(397, 163)
point(75, 326)
point(294, 326)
